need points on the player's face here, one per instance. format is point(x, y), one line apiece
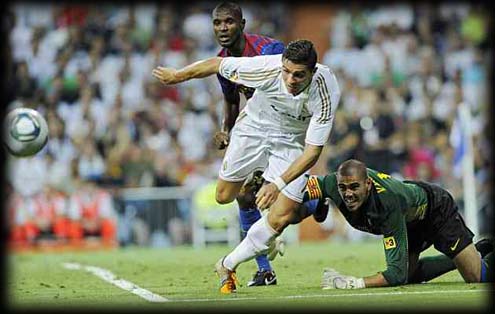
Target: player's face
point(296, 76)
point(227, 28)
point(353, 190)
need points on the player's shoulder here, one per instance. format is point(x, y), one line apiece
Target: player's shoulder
point(258, 39)
point(324, 71)
point(264, 45)
point(265, 60)
point(324, 80)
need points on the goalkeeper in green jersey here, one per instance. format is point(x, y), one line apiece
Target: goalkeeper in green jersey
point(411, 216)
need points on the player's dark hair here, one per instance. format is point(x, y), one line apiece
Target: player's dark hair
point(231, 7)
point(352, 167)
point(301, 51)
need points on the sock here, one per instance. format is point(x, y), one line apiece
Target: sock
point(431, 267)
point(486, 271)
point(256, 242)
point(247, 218)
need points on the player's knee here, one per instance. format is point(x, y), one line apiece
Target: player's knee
point(468, 262)
point(471, 276)
point(280, 220)
point(223, 197)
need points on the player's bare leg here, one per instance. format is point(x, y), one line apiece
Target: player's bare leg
point(468, 262)
point(261, 235)
point(248, 215)
point(227, 191)
point(284, 212)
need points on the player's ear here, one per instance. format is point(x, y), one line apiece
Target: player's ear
point(368, 184)
point(243, 24)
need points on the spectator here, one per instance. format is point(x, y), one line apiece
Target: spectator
point(92, 213)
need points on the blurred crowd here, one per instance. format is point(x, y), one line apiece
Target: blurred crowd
point(87, 69)
point(403, 71)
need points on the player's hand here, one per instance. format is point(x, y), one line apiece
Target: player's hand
point(165, 75)
point(221, 139)
point(332, 279)
point(266, 196)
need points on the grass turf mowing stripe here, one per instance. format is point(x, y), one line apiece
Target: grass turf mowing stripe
point(108, 276)
point(392, 293)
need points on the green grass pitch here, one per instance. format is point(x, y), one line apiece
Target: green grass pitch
point(185, 277)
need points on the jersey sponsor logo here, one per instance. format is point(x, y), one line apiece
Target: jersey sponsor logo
point(453, 247)
point(389, 243)
point(313, 188)
point(299, 118)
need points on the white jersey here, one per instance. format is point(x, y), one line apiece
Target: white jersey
point(274, 108)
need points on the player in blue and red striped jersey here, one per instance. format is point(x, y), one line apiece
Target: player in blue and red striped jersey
point(228, 26)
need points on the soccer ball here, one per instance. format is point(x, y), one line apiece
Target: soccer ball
point(26, 132)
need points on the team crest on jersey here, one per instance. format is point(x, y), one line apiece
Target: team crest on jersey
point(313, 188)
point(389, 243)
point(234, 76)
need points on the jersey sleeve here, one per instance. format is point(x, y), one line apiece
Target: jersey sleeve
point(395, 246)
point(324, 102)
point(227, 86)
point(314, 188)
point(319, 187)
point(250, 71)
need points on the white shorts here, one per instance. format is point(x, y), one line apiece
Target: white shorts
point(253, 148)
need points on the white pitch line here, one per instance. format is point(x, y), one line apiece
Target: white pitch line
point(108, 276)
point(392, 293)
point(149, 296)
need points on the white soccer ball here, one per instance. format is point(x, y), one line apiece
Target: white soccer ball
point(26, 132)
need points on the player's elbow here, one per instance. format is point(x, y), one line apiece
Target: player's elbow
point(395, 276)
point(312, 153)
point(214, 65)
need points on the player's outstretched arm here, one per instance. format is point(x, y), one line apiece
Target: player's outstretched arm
point(332, 279)
point(199, 69)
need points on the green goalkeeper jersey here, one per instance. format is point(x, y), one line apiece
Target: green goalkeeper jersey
point(390, 208)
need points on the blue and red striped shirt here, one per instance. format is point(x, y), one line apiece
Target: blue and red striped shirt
point(256, 45)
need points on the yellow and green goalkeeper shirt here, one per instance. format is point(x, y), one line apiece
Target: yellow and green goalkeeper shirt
point(391, 206)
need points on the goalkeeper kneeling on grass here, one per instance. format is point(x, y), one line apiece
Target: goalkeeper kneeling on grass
point(411, 216)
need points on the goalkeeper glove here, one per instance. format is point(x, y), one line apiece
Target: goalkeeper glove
point(332, 279)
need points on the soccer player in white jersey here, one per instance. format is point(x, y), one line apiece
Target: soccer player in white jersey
point(282, 129)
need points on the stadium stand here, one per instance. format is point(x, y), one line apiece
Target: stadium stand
point(404, 69)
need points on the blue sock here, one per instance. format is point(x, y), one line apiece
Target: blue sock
point(247, 218)
point(311, 205)
point(484, 272)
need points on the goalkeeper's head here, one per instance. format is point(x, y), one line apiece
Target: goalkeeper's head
point(353, 183)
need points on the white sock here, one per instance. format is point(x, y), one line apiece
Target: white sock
point(257, 241)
